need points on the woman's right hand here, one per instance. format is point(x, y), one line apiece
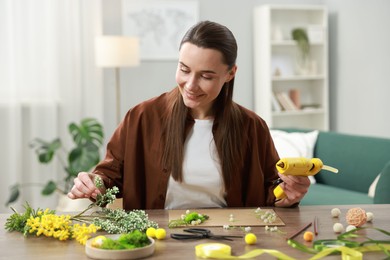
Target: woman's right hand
point(84, 187)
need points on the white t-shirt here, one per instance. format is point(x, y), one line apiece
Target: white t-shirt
point(202, 185)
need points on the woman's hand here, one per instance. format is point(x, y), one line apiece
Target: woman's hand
point(295, 188)
point(84, 187)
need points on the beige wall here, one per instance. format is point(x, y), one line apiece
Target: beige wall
point(359, 61)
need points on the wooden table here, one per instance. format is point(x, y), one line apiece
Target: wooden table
point(16, 246)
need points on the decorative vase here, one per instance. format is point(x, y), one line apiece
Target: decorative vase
point(302, 63)
point(65, 204)
point(117, 204)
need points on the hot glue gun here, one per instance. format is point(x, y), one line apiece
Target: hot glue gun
point(299, 166)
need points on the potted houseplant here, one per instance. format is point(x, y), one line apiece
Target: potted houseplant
point(87, 138)
point(299, 35)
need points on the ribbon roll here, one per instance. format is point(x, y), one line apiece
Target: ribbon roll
point(222, 251)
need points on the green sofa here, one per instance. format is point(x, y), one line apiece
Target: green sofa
point(359, 159)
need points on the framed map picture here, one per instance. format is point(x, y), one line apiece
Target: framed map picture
point(160, 25)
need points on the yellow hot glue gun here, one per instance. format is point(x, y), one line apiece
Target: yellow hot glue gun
point(299, 166)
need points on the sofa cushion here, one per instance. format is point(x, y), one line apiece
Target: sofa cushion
point(320, 194)
point(358, 158)
point(382, 191)
point(371, 190)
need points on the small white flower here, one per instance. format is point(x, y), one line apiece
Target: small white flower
point(258, 210)
point(248, 229)
point(226, 226)
point(187, 211)
point(194, 222)
point(266, 228)
point(183, 216)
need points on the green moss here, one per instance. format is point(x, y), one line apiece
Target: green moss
point(131, 240)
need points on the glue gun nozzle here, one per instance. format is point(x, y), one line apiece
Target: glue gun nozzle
point(280, 164)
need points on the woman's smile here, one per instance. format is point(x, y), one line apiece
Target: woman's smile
point(193, 96)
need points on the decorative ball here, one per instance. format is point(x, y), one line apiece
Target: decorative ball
point(161, 233)
point(151, 232)
point(350, 227)
point(308, 236)
point(335, 212)
point(356, 217)
point(370, 216)
point(250, 239)
point(338, 227)
point(98, 241)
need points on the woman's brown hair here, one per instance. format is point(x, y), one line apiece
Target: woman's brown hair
point(228, 118)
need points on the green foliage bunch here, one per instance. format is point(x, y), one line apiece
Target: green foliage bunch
point(190, 218)
point(87, 138)
point(300, 36)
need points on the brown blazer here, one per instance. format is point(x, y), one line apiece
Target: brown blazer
point(133, 160)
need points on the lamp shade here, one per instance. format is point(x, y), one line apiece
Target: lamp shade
point(116, 51)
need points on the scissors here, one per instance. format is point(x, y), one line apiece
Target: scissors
point(200, 233)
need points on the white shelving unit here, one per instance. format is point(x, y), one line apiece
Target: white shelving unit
point(276, 69)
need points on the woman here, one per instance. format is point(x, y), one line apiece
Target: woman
point(193, 147)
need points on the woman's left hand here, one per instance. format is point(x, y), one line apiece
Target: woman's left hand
point(295, 188)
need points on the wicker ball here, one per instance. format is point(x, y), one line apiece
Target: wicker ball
point(356, 217)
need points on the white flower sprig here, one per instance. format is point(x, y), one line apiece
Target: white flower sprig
point(118, 221)
point(245, 229)
point(226, 227)
point(274, 229)
point(114, 221)
point(267, 216)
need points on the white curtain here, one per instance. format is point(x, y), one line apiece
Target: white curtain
point(47, 80)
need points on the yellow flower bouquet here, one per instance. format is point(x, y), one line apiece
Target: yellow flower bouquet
point(82, 225)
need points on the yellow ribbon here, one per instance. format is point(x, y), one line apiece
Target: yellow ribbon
point(346, 253)
point(222, 251)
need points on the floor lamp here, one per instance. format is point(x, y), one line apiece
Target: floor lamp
point(117, 52)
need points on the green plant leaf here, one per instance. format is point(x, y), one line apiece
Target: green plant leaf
point(15, 192)
point(45, 150)
point(82, 159)
point(300, 36)
point(49, 188)
point(89, 132)
point(87, 137)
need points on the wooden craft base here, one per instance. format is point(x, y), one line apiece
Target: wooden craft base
point(220, 217)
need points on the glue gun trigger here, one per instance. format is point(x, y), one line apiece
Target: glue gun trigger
point(277, 181)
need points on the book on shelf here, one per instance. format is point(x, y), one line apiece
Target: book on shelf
point(285, 101)
point(275, 104)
